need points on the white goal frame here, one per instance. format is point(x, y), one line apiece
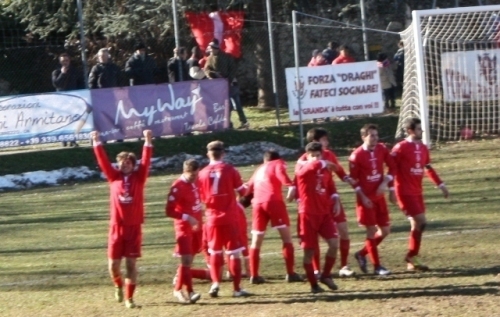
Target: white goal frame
point(419, 54)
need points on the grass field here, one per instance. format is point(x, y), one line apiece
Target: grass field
point(53, 254)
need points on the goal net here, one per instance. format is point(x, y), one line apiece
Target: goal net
point(451, 72)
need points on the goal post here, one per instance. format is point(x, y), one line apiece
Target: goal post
point(451, 73)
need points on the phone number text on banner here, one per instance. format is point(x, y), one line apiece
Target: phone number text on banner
point(166, 109)
point(334, 90)
point(45, 118)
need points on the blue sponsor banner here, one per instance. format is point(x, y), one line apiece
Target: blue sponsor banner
point(45, 118)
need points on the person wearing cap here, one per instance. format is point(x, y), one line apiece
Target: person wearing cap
point(177, 66)
point(221, 65)
point(218, 183)
point(105, 73)
point(141, 68)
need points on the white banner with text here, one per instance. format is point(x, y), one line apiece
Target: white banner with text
point(334, 90)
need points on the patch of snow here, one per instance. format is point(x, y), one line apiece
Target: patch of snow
point(248, 153)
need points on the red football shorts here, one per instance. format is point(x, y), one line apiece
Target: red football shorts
point(376, 216)
point(124, 241)
point(226, 237)
point(313, 225)
point(274, 211)
point(411, 205)
point(188, 243)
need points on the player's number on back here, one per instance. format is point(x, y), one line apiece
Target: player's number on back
point(215, 177)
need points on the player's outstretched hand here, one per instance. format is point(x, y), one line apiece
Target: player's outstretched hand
point(445, 191)
point(148, 135)
point(94, 136)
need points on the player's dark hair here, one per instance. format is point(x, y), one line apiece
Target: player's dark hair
point(315, 134)
point(122, 156)
point(412, 123)
point(271, 155)
point(367, 127)
point(313, 147)
point(191, 165)
point(64, 54)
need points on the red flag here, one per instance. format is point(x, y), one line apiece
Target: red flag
point(206, 27)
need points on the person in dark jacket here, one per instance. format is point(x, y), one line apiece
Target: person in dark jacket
point(140, 67)
point(105, 73)
point(177, 66)
point(67, 78)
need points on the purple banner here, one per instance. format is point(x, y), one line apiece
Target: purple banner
point(166, 109)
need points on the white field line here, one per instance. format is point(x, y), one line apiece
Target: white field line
point(165, 266)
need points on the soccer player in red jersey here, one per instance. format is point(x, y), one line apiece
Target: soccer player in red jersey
point(367, 169)
point(126, 212)
point(218, 183)
point(184, 205)
point(315, 210)
point(412, 158)
point(268, 206)
point(321, 135)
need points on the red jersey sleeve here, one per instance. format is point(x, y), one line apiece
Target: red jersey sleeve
point(238, 183)
point(430, 171)
point(104, 164)
point(339, 171)
point(173, 203)
point(353, 167)
point(143, 170)
point(282, 175)
point(389, 161)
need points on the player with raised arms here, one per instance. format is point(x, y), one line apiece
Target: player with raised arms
point(412, 158)
point(126, 189)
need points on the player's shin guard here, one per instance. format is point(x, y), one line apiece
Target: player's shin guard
point(288, 255)
point(254, 261)
point(129, 290)
point(371, 246)
point(186, 278)
point(216, 263)
point(308, 267)
point(235, 268)
point(414, 243)
point(327, 268)
point(316, 262)
point(344, 251)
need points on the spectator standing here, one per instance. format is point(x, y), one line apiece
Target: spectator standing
point(387, 80)
point(331, 52)
point(317, 59)
point(221, 65)
point(345, 56)
point(177, 66)
point(67, 78)
point(399, 61)
point(193, 64)
point(105, 73)
point(140, 67)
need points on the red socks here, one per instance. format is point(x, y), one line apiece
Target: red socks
point(200, 274)
point(414, 243)
point(316, 259)
point(235, 269)
point(371, 246)
point(327, 269)
point(308, 267)
point(254, 261)
point(216, 263)
point(344, 251)
point(117, 280)
point(364, 251)
point(288, 255)
point(129, 290)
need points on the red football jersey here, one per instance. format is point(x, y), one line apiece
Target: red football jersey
point(328, 155)
point(367, 167)
point(218, 182)
point(411, 159)
point(184, 198)
point(313, 188)
point(126, 193)
point(267, 180)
